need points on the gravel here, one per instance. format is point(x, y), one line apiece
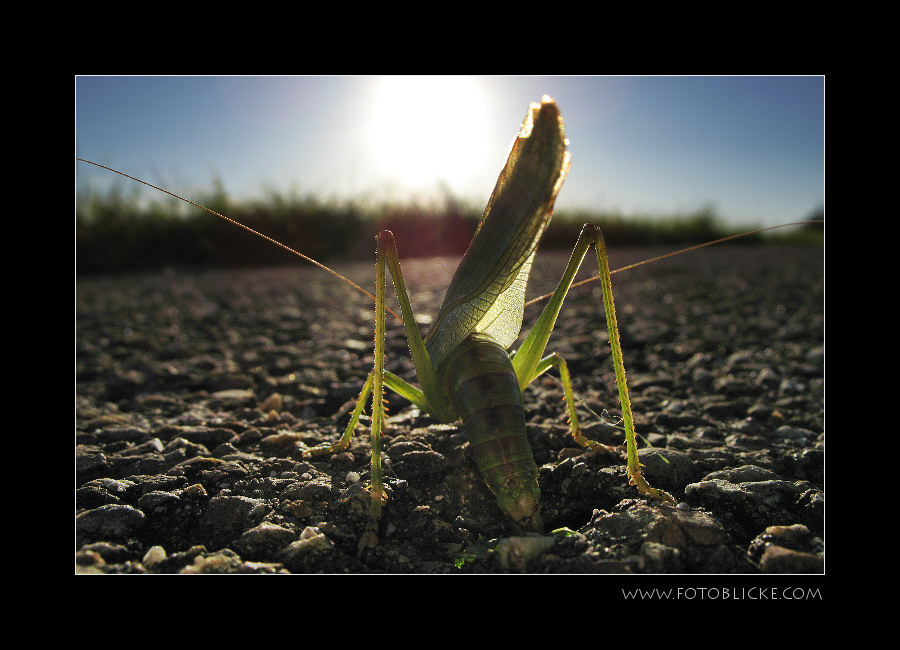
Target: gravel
point(197, 392)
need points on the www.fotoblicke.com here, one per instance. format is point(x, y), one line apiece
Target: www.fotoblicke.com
point(724, 593)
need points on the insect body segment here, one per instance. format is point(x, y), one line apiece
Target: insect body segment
point(485, 392)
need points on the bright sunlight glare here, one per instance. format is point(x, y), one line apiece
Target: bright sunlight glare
point(426, 130)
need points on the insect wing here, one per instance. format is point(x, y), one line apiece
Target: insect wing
point(487, 293)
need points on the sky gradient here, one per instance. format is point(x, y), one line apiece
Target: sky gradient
point(752, 148)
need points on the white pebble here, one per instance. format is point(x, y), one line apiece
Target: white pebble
point(309, 532)
point(154, 555)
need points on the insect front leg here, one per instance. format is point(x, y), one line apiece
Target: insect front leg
point(344, 442)
point(554, 360)
point(527, 360)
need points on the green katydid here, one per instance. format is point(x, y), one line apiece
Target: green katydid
point(462, 365)
point(480, 318)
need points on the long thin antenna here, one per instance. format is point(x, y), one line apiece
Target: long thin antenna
point(247, 228)
point(678, 252)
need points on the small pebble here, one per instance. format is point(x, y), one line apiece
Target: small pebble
point(154, 555)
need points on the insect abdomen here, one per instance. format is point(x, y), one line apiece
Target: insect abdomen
point(486, 394)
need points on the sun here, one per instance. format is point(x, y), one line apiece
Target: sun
point(427, 130)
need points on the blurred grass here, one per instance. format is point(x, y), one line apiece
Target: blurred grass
point(120, 231)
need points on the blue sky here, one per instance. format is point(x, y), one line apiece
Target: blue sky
point(753, 148)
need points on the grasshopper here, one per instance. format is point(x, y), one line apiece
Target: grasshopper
point(463, 366)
